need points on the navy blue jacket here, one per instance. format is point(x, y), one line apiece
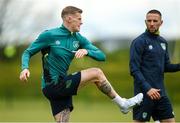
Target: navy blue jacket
point(149, 60)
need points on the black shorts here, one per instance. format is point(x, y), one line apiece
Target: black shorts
point(60, 95)
point(158, 110)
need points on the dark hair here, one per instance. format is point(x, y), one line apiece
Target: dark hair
point(154, 11)
point(70, 10)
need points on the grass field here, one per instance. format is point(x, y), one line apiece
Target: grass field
point(36, 108)
point(39, 111)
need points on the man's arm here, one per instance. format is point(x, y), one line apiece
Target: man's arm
point(136, 54)
point(36, 46)
point(92, 50)
point(168, 66)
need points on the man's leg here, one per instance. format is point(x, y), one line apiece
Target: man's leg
point(164, 111)
point(96, 76)
point(63, 116)
point(170, 120)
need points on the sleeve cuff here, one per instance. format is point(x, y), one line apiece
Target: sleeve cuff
point(146, 87)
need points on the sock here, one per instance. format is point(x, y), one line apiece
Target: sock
point(119, 100)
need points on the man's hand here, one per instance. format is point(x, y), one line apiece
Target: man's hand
point(24, 75)
point(81, 53)
point(154, 94)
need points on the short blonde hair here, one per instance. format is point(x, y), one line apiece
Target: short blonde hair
point(70, 10)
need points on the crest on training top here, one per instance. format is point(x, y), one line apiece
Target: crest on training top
point(57, 42)
point(163, 45)
point(75, 44)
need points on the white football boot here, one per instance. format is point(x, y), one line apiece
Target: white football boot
point(131, 102)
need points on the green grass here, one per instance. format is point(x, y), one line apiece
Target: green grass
point(38, 110)
point(94, 106)
point(116, 69)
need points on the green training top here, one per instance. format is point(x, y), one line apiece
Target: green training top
point(57, 47)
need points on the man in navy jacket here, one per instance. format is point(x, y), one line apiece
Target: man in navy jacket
point(149, 60)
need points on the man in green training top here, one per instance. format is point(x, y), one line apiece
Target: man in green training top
point(58, 47)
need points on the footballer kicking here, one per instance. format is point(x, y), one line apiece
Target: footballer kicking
point(58, 47)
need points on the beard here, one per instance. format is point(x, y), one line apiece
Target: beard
point(152, 30)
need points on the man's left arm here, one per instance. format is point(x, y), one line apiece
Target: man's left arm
point(92, 51)
point(169, 67)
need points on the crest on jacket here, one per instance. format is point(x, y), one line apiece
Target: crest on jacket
point(75, 44)
point(150, 47)
point(163, 45)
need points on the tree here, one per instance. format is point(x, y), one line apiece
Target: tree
point(3, 9)
point(20, 20)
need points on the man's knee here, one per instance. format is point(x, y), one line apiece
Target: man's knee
point(99, 76)
point(97, 72)
point(92, 75)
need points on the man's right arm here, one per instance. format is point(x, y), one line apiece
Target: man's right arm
point(40, 43)
point(136, 54)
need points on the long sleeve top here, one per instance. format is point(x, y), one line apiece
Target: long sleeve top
point(57, 47)
point(149, 60)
